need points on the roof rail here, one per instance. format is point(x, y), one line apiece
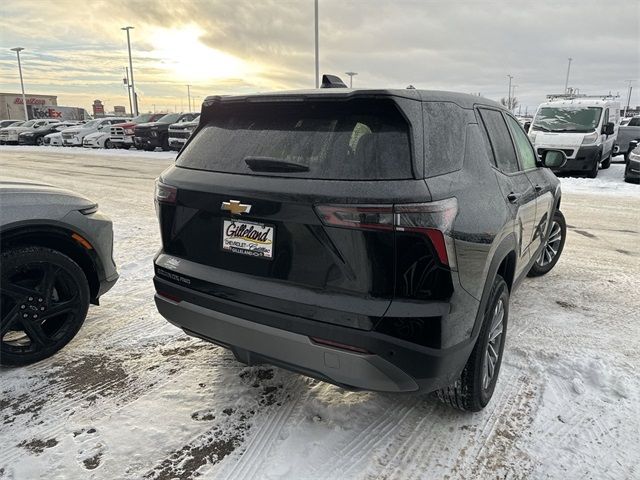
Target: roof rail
point(573, 96)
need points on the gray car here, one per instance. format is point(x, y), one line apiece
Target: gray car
point(56, 259)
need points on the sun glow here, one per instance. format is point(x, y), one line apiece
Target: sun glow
point(181, 52)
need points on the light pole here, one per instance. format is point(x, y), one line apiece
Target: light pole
point(189, 95)
point(126, 72)
point(351, 75)
point(626, 107)
point(133, 88)
point(317, 47)
point(24, 99)
point(509, 96)
point(566, 82)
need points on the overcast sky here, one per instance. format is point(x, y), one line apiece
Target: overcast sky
point(76, 50)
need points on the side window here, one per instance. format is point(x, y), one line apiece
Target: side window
point(525, 151)
point(634, 122)
point(501, 144)
point(606, 117)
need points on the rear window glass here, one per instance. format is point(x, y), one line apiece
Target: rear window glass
point(356, 139)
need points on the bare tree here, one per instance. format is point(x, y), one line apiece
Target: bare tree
point(514, 103)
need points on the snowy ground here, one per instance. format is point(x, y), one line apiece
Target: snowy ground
point(132, 397)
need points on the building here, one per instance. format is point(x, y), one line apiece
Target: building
point(98, 108)
point(119, 110)
point(11, 107)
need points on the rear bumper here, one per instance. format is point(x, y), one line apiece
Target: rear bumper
point(258, 335)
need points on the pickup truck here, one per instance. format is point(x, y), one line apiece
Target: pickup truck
point(180, 132)
point(121, 135)
point(627, 133)
point(149, 136)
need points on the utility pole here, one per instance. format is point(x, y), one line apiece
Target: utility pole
point(626, 107)
point(351, 75)
point(126, 71)
point(566, 82)
point(509, 96)
point(133, 87)
point(189, 95)
point(24, 98)
point(317, 46)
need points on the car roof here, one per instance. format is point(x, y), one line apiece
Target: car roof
point(463, 100)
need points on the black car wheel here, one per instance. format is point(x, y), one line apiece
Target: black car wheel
point(606, 163)
point(108, 145)
point(44, 298)
point(473, 390)
point(553, 247)
point(40, 141)
point(593, 173)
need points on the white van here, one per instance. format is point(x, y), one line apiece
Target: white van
point(584, 128)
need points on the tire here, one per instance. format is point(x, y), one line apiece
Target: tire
point(547, 259)
point(606, 163)
point(44, 299)
point(108, 145)
point(593, 173)
point(40, 141)
point(473, 390)
point(165, 144)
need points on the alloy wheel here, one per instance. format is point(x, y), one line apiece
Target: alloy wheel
point(551, 247)
point(39, 303)
point(492, 351)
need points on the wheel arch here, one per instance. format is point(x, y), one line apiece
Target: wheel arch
point(503, 263)
point(57, 238)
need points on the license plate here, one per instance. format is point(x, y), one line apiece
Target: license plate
point(248, 238)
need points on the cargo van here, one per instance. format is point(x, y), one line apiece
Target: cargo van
point(584, 128)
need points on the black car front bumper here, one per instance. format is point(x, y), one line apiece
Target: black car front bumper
point(585, 158)
point(147, 141)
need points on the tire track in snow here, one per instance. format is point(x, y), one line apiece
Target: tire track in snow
point(248, 464)
point(379, 431)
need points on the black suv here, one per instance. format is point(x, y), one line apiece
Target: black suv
point(368, 238)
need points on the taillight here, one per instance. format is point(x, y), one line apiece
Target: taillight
point(378, 217)
point(432, 219)
point(165, 193)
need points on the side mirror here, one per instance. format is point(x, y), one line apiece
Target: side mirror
point(608, 128)
point(554, 159)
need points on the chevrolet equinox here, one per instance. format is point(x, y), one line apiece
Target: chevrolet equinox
point(367, 238)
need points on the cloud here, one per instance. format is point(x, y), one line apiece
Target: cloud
point(468, 46)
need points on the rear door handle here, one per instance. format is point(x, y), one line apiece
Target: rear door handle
point(537, 188)
point(513, 197)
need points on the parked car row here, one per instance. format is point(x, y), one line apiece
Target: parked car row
point(145, 132)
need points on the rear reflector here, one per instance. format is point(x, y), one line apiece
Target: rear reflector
point(169, 296)
point(433, 220)
point(341, 346)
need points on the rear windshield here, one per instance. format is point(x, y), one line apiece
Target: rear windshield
point(356, 139)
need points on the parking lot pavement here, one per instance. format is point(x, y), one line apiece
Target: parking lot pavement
point(132, 397)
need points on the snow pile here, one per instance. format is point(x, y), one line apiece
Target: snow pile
point(608, 182)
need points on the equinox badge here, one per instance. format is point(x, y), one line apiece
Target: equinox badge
point(235, 207)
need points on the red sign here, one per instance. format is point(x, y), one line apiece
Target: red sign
point(30, 101)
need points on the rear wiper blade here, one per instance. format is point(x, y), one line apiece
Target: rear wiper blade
point(272, 164)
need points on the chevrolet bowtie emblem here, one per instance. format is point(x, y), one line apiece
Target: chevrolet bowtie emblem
point(235, 207)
